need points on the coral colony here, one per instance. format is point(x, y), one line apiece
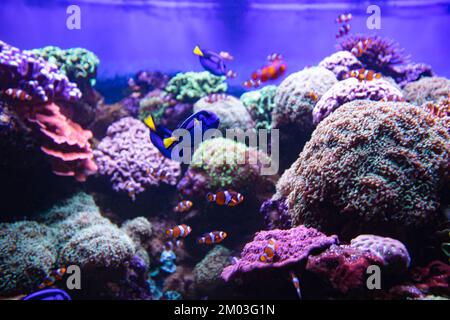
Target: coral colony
point(363, 181)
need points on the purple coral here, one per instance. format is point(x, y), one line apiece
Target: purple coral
point(41, 81)
point(353, 89)
point(146, 81)
point(340, 63)
point(276, 215)
point(294, 247)
point(394, 253)
point(126, 155)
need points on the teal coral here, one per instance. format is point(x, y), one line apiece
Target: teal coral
point(191, 86)
point(78, 64)
point(260, 104)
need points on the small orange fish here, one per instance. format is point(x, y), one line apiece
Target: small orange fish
point(274, 57)
point(271, 71)
point(17, 94)
point(343, 30)
point(361, 47)
point(55, 275)
point(226, 55)
point(159, 173)
point(252, 83)
point(269, 251)
point(393, 98)
point(183, 206)
point(296, 283)
point(314, 97)
point(363, 74)
point(216, 97)
point(180, 231)
point(225, 198)
point(212, 237)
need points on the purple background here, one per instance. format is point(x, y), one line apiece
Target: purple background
point(161, 35)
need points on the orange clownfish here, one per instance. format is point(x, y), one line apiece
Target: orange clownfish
point(225, 198)
point(271, 71)
point(251, 83)
point(159, 174)
point(361, 47)
point(296, 283)
point(344, 17)
point(17, 94)
point(313, 95)
point(343, 30)
point(183, 206)
point(55, 275)
point(393, 98)
point(180, 231)
point(216, 97)
point(212, 237)
point(363, 74)
point(269, 251)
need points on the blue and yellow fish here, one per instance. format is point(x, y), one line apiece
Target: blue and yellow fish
point(214, 62)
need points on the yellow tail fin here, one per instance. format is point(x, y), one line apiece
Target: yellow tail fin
point(198, 52)
point(150, 123)
point(169, 141)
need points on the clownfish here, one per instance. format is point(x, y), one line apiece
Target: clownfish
point(251, 83)
point(361, 47)
point(313, 95)
point(274, 57)
point(180, 231)
point(159, 173)
point(55, 275)
point(296, 283)
point(216, 97)
point(343, 30)
point(183, 206)
point(363, 74)
point(344, 17)
point(212, 237)
point(226, 55)
point(17, 94)
point(225, 198)
point(271, 71)
point(393, 98)
point(269, 251)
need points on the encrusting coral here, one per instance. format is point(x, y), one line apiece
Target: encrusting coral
point(260, 104)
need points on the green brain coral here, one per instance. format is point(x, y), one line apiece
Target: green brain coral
point(78, 64)
point(260, 104)
point(191, 86)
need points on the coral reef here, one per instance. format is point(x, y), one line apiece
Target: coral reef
point(427, 90)
point(260, 104)
point(439, 111)
point(207, 272)
point(230, 110)
point(394, 254)
point(352, 89)
point(126, 155)
point(138, 229)
point(105, 115)
point(340, 63)
point(370, 167)
point(146, 81)
point(191, 86)
point(294, 247)
point(295, 99)
point(276, 215)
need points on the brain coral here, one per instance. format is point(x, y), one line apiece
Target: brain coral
point(231, 111)
point(139, 229)
point(429, 89)
point(370, 166)
point(126, 154)
point(293, 101)
point(260, 104)
point(191, 86)
point(340, 63)
point(207, 272)
point(224, 164)
point(27, 255)
point(352, 89)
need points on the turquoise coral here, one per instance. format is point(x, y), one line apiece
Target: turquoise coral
point(191, 86)
point(260, 104)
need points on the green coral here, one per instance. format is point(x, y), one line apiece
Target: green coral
point(260, 104)
point(227, 165)
point(152, 105)
point(191, 86)
point(78, 64)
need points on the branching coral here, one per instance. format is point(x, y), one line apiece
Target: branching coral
point(191, 86)
point(126, 155)
point(260, 104)
point(352, 89)
point(370, 166)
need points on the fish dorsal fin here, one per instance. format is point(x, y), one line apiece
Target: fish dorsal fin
point(169, 141)
point(198, 52)
point(150, 123)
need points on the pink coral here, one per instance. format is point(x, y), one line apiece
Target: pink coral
point(64, 141)
point(294, 247)
point(126, 155)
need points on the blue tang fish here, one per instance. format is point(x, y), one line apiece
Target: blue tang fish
point(48, 294)
point(163, 138)
point(214, 63)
